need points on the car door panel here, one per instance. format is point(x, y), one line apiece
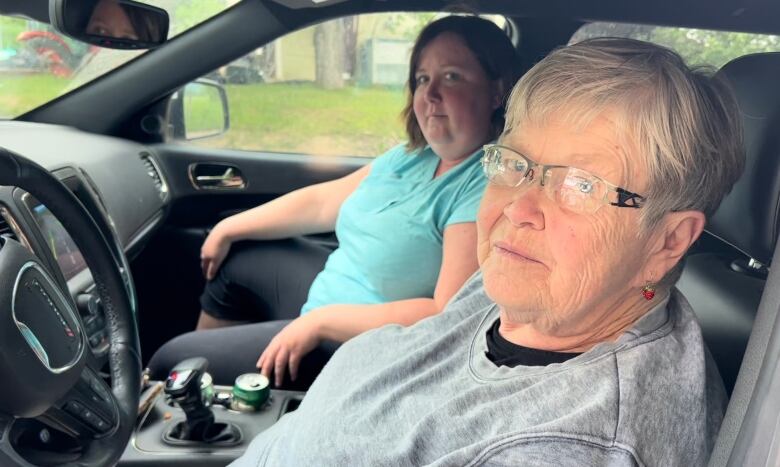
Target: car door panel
point(167, 272)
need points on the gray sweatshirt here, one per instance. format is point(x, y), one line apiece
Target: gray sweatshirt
point(428, 395)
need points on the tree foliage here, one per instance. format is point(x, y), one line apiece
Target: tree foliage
point(698, 47)
point(713, 48)
point(404, 26)
point(187, 13)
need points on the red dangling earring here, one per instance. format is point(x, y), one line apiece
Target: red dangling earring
point(648, 291)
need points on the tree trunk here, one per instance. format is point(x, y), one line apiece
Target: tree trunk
point(329, 51)
point(268, 62)
point(350, 45)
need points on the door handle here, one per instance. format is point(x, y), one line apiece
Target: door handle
point(216, 176)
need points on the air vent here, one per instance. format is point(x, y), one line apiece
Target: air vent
point(154, 173)
point(5, 229)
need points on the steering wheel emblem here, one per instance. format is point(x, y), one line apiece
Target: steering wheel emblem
point(46, 319)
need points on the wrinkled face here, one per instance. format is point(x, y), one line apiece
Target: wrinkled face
point(563, 271)
point(110, 20)
point(454, 98)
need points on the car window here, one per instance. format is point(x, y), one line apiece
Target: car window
point(336, 88)
point(696, 46)
point(37, 64)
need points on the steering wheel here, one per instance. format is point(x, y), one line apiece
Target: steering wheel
point(47, 369)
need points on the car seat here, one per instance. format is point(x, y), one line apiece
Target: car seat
point(724, 278)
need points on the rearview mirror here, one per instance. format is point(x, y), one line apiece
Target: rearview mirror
point(115, 24)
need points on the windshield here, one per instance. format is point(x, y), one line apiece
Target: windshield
point(38, 64)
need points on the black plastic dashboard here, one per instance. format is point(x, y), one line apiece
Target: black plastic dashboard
point(117, 170)
point(114, 178)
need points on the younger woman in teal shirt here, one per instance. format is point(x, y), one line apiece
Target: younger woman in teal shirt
point(397, 216)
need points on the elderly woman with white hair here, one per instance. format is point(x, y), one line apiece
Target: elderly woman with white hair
point(571, 346)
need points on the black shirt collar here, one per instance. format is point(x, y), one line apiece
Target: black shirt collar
point(502, 352)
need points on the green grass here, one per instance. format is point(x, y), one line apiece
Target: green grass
point(307, 119)
point(20, 93)
point(202, 110)
point(269, 117)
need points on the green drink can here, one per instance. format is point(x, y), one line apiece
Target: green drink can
point(207, 389)
point(250, 392)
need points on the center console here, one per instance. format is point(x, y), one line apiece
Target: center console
point(182, 422)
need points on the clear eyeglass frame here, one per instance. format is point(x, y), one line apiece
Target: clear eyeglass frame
point(575, 189)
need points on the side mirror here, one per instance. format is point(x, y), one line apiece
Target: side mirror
point(115, 24)
point(198, 110)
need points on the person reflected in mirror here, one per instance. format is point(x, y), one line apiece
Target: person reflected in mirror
point(405, 225)
point(109, 19)
point(571, 346)
point(118, 20)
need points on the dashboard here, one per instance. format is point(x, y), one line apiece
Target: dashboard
point(114, 178)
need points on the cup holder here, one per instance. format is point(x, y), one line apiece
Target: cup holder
point(291, 404)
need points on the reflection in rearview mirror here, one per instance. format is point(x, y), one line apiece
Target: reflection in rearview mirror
point(119, 24)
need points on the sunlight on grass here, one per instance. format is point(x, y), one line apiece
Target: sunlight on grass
point(23, 92)
point(296, 118)
point(302, 118)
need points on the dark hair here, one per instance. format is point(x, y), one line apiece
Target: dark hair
point(492, 49)
point(80, 16)
point(145, 26)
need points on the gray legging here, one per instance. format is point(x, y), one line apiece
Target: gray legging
point(264, 281)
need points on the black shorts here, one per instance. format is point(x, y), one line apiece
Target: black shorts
point(265, 280)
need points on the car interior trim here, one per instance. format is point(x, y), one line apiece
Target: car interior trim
point(14, 225)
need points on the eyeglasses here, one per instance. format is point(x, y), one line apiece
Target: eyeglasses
point(575, 189)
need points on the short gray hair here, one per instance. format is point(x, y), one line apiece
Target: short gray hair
point(684, 122)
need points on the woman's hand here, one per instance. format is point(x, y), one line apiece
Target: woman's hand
point(214, 250)
point(288, 348)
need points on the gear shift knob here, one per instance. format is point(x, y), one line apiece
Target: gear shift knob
point(183, 387)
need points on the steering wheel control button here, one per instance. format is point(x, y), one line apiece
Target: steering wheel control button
point(86, 416)
point(100, 390)
point(46, 319)
point(100, 425)
point(88, 304)
point(94, 394)
point(95, 340)
point(74, 408)
point(95, 421)
point(95, 399)
point(92, 316)
point(250, 392)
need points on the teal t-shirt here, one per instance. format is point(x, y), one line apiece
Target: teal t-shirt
point(391, 229)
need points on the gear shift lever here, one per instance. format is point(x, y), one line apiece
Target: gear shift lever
point(183, 387)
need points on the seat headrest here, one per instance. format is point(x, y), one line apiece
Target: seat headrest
point(748, 216)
